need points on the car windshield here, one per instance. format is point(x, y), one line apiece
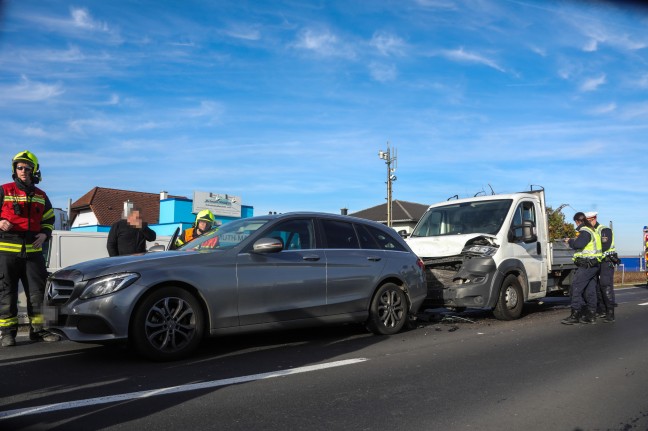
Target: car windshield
point(464, 218)
point(227, 236)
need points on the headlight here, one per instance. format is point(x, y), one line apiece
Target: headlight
point(484, 250)
point(108, 284)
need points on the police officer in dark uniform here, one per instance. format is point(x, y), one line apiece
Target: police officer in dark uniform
point(605, 291)
point(584, 285)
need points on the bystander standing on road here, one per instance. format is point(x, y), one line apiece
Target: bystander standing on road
point(26, 222)
point(605, 291)
point(587, 259)
point(129, 235)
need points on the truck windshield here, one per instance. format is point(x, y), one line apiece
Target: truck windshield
point(463, 218)
point(227, 236)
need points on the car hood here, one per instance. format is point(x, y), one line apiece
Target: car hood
point(441, 246)
point(134, 262)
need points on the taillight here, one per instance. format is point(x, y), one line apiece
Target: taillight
point(420, 263)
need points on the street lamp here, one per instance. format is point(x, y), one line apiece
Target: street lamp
point(389, 159)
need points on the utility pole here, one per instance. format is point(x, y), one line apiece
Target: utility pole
point(389, 159)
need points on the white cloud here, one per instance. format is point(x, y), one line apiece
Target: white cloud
point(604, 109)
point(241, 31)
point(81, 18)
point(437, 4)
point(592, 84)
point(468, 57)
point(603, 33)
point(383, 72)
point(388, 44)
point(591, 46)
point(636, 110)
point(35, 132)
point(323, 43)
point(643, 81)
point(30, 91)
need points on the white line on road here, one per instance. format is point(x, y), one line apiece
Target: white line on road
point(172, 390)
point(645, 303)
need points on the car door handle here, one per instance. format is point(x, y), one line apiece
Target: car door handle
point(374, 258)
point(311, 257)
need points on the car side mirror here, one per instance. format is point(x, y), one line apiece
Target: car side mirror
point(403, 233)
point(156, 247)
point(267, 245)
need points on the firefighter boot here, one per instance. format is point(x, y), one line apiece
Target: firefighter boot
point(37, 333)
point(573, 318)
point(609, 316)
point(588, 317)
point(7, 338)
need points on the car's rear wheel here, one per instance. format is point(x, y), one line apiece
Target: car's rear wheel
point(388, 311)
point(167, 325)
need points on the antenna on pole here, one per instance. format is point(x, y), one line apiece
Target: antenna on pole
point(389, 159)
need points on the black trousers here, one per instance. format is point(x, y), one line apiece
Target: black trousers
point(32, 272)
point(605, 293)
point(584, 287)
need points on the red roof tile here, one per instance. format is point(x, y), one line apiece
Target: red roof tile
point(108, 204)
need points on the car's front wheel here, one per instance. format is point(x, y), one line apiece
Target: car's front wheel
point(388, 311)
point(167, 324)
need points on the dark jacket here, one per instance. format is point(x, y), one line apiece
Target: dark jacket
point(126, 239)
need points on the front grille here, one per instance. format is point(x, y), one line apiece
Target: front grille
point(59, 291)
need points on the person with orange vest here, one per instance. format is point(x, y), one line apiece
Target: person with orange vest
point(203, 223)
point(26, 222)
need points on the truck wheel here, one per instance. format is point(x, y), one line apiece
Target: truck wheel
point(510, 302)
point(167, 325)
point(388, 310)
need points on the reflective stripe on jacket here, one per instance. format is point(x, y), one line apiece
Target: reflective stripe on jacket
point(593, 249)
point(29, 216)
point(612, 248)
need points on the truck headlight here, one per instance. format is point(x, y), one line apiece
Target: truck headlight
point(484, 250)
point(108, 284)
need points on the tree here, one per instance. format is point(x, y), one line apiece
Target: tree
point(558, 228)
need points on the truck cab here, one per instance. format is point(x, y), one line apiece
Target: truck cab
point(491, 252)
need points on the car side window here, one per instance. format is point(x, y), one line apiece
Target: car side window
point(367, 240)
point(295, 234)
point(384, 240)
point(339, 234)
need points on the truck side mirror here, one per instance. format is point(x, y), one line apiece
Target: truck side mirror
point(524, 232)
point(528, 231)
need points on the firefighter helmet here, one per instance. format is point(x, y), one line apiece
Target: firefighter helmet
point(27, 157)
point(205, 215)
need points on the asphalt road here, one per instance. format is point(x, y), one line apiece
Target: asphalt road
point(453, 372)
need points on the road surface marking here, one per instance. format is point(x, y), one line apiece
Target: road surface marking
point(645, 303)
point(48, 408)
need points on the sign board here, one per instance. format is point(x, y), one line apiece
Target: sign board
point(219, 204)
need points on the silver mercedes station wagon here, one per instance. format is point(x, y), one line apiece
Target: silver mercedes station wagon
point(268, 272)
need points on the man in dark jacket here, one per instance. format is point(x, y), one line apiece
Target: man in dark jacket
point(129, 236)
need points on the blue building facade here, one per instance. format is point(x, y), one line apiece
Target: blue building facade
point(177, 212)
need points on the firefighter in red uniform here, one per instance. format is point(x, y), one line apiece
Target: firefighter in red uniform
point(26, 222)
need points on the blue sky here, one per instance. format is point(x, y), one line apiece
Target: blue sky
point(287, 103)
